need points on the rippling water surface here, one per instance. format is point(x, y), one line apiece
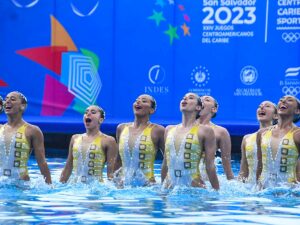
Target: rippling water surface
point(37, 203)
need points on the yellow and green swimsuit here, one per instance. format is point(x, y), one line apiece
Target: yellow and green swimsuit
point(202, 165)
point(183, 165)
point(13, 161)
point(137, 163)
point(88, 165)
point(282, 168)
point(251, 156)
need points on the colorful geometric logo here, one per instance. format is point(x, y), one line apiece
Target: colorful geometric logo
point(75, 81)
point(169, 28)
point(80, 74)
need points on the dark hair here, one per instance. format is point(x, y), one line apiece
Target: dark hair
point(22, 97)
point(216, 106)
point(153, 102)
point(199, 102)
point(1, 104)
point(274, 121)
point(102, 113)
point(297, 116)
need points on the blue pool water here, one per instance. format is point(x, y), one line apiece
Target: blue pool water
point(37, 203)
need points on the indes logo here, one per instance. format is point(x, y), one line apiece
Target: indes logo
point(156, 74)
point(248, 75)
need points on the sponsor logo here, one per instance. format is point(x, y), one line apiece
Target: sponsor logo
point(92, 7)
point(156, 74)
point(291, 90)
point(26, 4)
point(290, 37)
point(291, 83)
point(292, 72)
point(248, 75)
point(200, 76)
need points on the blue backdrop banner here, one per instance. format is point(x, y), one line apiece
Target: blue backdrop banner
point(66, 55)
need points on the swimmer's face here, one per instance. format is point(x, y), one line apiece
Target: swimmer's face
point(209, 105)
point(190, 102)
point(288, 105)
point(92, 117)
point(266, 112)
point(143, 105)
point(14, 103)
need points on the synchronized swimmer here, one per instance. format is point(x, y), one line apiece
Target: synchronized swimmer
point(266, 115)
point(270, 156)
point(17, 140)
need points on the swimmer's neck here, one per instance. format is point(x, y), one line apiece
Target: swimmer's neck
point(265, 124)
point(205, 120)
point(285, 124)
point(140, 122)
point(188, 120)
point(92, 132)
point(15, 121)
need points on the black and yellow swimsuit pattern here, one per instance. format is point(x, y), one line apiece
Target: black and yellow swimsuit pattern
point(282, 167)
point(14, 158)
point(183, 164)
point(142, 156)
point(88, 164)
point(251, 156)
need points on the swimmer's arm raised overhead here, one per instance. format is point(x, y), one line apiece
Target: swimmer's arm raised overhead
point(67, 171)
point(244, 171)
point(37, 140)
point(225, 146)
point(111, 149)
point(207, 137)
